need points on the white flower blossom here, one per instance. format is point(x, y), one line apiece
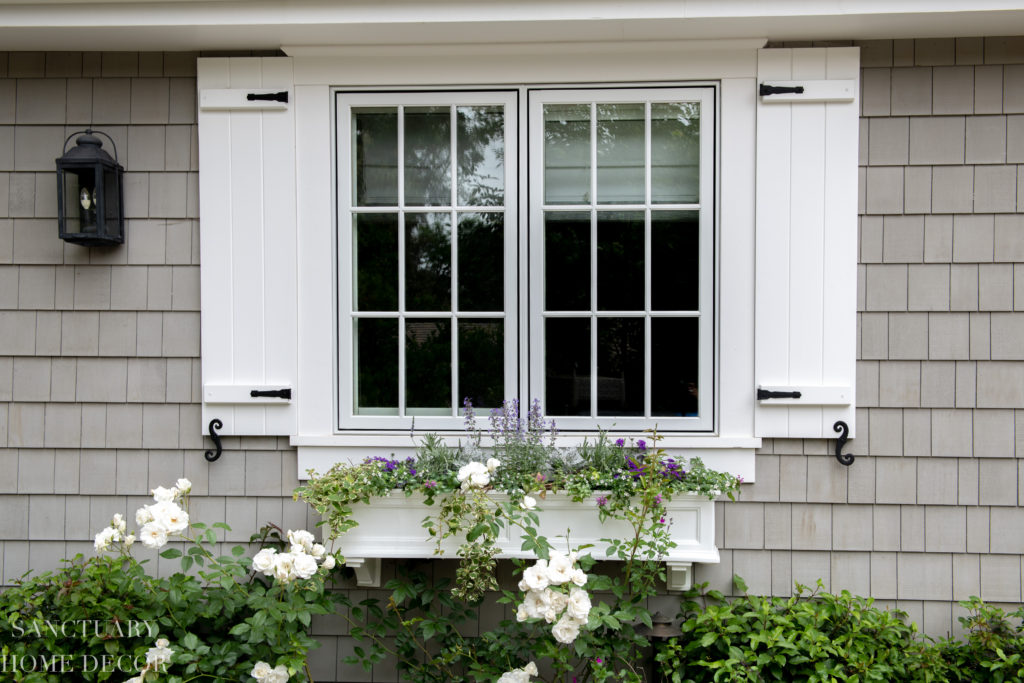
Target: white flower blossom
point(318, 551)
point(278, 675)
point(566, 630)
point(161, 654)
point(579, 577)
point(162, 495)
point(304, 566)
point(129, 540)
point(263, 561)
point(301, 538)
point(528, 503)
point(329, 562)
point(578, 606)
point(143, 515)
point(169, 516)
point(105, 538)
point(522, 614)
point(493, 464)
point(183, 485)
point(284, 564)
point(118, 522)
point(559, 569)
point(474, 474)
point(521, 675)
point(536, 577)
point(153, 535)
point(261, 671)
point(531, 669)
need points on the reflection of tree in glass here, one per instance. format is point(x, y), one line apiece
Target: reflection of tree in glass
point(428, 267)
point(481, 362)
point(376, 238)
point(377, 353)
point(481, 154)
point(428, 352)
point(481, 262)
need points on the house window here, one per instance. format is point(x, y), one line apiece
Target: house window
point(586, 280)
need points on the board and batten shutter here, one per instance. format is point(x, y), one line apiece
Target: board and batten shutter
point(806, 241)
point(247, 207)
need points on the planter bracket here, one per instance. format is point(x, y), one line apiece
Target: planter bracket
point(367, 570)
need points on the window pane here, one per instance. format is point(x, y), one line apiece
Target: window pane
point(620, 366)
point(620, 153)
point(428, 262)
point(567, 261)
point(567, 153)
point(376, 261)
point(674, 359)
point(567, 366)
point(428, 366)
point(376, 162)
point(481, 149)
point(428, 142)
point(675, 152)
point(675, 252)
point(620, 261)
point(482, 361)
point(481, 262)
point(376, 390)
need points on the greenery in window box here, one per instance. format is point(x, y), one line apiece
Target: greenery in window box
point(631, 481)
point(556, 622)
point(220, 618)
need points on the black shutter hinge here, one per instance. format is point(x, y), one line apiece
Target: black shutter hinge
point(273, 96)
point(766, 89)
point(764, 394)
point(272, 393)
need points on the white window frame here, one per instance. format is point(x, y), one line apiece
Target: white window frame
point(706, 95)
point(344, 103)
point(523, 277)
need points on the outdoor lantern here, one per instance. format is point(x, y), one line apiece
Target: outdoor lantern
point(90, 194)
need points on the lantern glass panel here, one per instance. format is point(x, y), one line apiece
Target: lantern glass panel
point(111, 203)
point(80, 201)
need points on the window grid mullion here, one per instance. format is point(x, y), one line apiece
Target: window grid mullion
point(593, 259)
point(454, 238)
point(648, 256)
point(401, 260)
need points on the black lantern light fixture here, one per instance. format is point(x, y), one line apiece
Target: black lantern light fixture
point(90, 192)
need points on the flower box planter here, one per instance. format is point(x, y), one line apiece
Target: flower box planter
point(391, 527)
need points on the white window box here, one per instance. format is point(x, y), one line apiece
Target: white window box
point(392, 527)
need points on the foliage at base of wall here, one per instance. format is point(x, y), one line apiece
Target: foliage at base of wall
point(818, 636)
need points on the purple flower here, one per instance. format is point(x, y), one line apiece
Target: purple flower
point(657, 499)
point(601, 501)
point(661, 521)
point(598, 660)
point(430, 484)
point(641, 444)
point(620, 442)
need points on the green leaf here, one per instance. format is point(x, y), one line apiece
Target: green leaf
point(170, 554)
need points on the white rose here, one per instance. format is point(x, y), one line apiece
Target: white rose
point(301, 538)
point(566, 630)
point(104, 538)
point(128, 540)
point(318, 550)
point(118, 522)
point(170, 516)
point(474, 474)
point(579, 577)
point(522, 614)
point(143, 515)
point(493, 464)
point(579, 604)
point(162, 495)
point(183, 485)
point(480, 479)
point(531, 669)
point(536, 577)
point(558, 600)
point(284, 567)
point(161, 654)
point(514, 676)
point(304, 566)
point(537, 603)
point(329, 562)
point(260, 671)
point(559, 568)
point(154, 535)
point(278, 675)
point(528, 503)
point(263, 561)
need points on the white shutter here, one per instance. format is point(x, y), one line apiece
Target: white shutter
point(247, 244)
point(806, 243)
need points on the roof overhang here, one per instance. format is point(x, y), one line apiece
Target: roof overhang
point(300, 25)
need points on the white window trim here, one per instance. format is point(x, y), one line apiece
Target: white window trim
point(344, 102)
point(698, 92)
point(734, 67)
